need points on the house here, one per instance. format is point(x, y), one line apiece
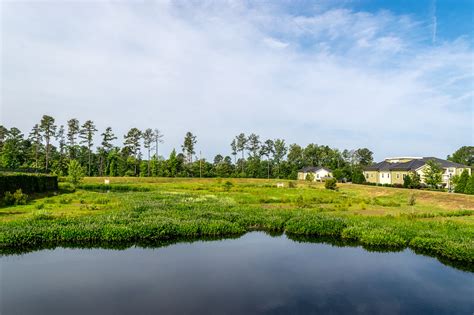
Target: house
point(393, 170)
point(319, 173)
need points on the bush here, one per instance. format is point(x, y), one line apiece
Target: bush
point(412, 200)
point(309, 177)
point(75, 172)
point(470, 186)
point(28, 183)
point(461, 182)
point(228, 185)
point(331, 184)
point(292, 185)
point(17, 198)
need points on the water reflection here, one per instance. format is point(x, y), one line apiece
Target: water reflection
point(255, 273)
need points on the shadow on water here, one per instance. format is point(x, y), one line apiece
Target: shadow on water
point(333, 241)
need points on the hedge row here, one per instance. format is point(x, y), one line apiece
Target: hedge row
point(28, 183)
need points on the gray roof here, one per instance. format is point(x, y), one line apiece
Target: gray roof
point(312, 169)
point(411, 165)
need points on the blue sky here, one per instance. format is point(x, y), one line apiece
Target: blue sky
point(394, 76)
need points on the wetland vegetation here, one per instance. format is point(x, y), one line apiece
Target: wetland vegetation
point(144, 210)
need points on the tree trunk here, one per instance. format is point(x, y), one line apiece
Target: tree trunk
point(47, 153)
point(148, 162)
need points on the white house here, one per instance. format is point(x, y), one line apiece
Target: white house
point(319, 173)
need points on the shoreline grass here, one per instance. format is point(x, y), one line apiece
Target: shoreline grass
point(162, 210)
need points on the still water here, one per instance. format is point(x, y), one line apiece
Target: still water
point(255, 273)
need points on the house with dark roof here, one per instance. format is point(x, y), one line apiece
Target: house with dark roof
point(319, 173)
point(393, 170)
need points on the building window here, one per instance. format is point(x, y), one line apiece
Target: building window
point(382, 175)
point(398, 175)
point(388, 175)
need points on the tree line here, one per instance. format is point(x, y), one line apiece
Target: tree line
point(49, 147)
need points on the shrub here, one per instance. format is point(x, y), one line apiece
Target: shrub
point(17, 198)
point(316, 225)
point(28, 183)
point(309, 177)
point(228, 185)
point(331, 184)
point(412, 200)
point(75, 172)
point(470, 186)
point(292, 184)
point(20, 198)
point(115, 187)
point(461, 182)
point(8, 199)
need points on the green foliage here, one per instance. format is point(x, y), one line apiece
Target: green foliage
point(461, 182)
point(432, 174)
point(309, 177)
point(470, 186)
point(75, 172)
point(358, 176)
point(164, 209)
point(116, 188)
point(464, 155)
point(28, 183)
point(330, 183)
point(228, 185)
point(17, 198)
point(412, 200)
point(415, 180)
point(407, 181)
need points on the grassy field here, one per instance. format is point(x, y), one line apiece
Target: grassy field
point(157, 209)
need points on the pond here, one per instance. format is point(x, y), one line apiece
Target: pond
point(256, 273)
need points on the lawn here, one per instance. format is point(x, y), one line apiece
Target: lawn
point(156, 209)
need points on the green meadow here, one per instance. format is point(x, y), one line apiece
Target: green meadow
point(136, 210)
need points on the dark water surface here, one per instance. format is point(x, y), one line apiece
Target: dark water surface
point(256, 273)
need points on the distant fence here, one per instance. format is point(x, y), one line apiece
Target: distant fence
point(24, 170)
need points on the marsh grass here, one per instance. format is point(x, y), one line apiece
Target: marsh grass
point(147, 211)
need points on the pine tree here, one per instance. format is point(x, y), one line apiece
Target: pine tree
point(188, 146)
point(72, 134)
point(241, 143)
point(279, 153)
point(267, 150)
point(132, 144)
point(157, 138)
point(233, 146)
point(48, 129)
point(432, 174)
point(36, 138)
point(461, 184)
point(87, 135)
point(148, 137)
point(470, 186)
point(107, 138)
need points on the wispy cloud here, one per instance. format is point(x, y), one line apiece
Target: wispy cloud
point(434, 21)
point(337, 76)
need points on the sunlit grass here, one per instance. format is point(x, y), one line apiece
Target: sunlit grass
point(147, 209)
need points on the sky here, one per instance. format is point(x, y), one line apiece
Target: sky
point(394, 76)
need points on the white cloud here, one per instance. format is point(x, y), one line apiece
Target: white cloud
point(338, 77)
